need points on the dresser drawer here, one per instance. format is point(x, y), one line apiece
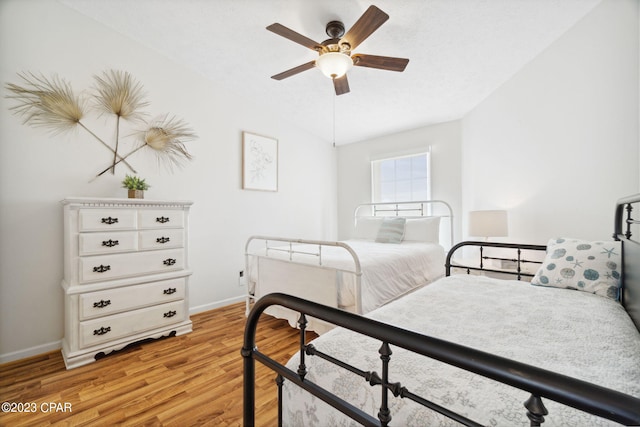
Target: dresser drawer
point(121, 325)
point(107, 243)
point(107, 219)
point(161, 218)
point(107, 267)
point(104, 303)
point(161, 239)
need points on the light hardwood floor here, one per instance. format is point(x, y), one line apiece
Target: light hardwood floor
point(194, 379)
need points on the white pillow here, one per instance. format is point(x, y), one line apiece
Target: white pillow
point(592, 267)
point(391, 230)
point(367, 228)
point(423, 229)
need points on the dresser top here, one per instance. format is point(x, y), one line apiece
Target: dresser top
point(107, 201)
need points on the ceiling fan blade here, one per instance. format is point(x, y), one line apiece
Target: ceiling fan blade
point(380, 62)
point(295, 70)
point(370, 21)
point(288, 33)
point(341, 85)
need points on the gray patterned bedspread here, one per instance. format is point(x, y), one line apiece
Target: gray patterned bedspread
point(582, 335)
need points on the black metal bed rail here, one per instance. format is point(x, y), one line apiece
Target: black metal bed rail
point(540, 383)
point(518, 259)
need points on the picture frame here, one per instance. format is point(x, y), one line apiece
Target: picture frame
point(259, 162)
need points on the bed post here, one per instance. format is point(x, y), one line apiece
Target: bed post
point(535, 410)
point(385, 355)
point(279, 382)
point(249, 395)
point(302, 367)
point(249, 371)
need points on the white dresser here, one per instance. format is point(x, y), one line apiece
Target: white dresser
point(126, 274)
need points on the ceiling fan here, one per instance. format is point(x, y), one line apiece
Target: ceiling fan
point(335, 53)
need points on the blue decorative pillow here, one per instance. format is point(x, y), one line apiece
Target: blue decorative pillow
point(391, 230)
point(592, 267)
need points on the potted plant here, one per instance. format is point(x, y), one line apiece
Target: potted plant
point(135, 185)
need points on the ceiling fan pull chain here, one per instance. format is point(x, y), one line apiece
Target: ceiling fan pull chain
point(334, 120)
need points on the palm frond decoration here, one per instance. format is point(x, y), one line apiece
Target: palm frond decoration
point(47, 103)
point(165, 136)
point(120, 94)
point(50, 103)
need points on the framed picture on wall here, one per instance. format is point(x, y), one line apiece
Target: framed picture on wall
point(259, 162)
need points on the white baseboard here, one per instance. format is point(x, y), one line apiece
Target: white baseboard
point(32, 351)
point(57, 345)
point(217, 304)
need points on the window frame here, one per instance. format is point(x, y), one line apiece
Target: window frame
point(376, 182)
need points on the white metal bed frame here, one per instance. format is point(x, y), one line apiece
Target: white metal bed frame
point(409, 210)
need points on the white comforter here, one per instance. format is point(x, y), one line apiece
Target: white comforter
point(574, 333)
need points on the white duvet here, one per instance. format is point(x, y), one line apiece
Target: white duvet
point(581, 335)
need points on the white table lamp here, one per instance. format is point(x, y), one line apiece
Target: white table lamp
point(488, 223)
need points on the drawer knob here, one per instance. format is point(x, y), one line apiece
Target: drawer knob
point(101, 268)
point(163, 239)
point(170, 313)
point(162, 219)
point(110, 243)
point(102, 330)
point(109, 220)
point(102, 303)
point(170, 291)
point(169, 261)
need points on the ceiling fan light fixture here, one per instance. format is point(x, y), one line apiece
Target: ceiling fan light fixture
point(334, 64)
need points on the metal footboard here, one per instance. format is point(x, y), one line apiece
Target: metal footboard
point(291, 252)
point(538, 382)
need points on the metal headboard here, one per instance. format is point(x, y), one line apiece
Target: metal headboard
point(408, 209)
point(625, 226)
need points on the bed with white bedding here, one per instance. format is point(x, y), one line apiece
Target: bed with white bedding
point(594, 340)
point(475, 350)
point(358, 274)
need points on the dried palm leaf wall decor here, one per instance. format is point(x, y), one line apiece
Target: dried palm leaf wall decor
point(52, 104)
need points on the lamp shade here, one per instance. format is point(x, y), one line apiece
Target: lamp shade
point(334, 64)
point(488, 223)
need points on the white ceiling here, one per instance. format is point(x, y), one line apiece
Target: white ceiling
point(459, 50)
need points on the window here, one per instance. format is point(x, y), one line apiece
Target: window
point(399, 179)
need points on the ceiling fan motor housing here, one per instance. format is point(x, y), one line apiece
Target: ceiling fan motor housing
point(335, 29)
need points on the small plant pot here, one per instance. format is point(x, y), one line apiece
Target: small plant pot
point(136, 194)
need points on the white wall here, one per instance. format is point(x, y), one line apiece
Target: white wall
point(556, 145)
point(37, 170)
point(354, 168)
point(559, 143)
